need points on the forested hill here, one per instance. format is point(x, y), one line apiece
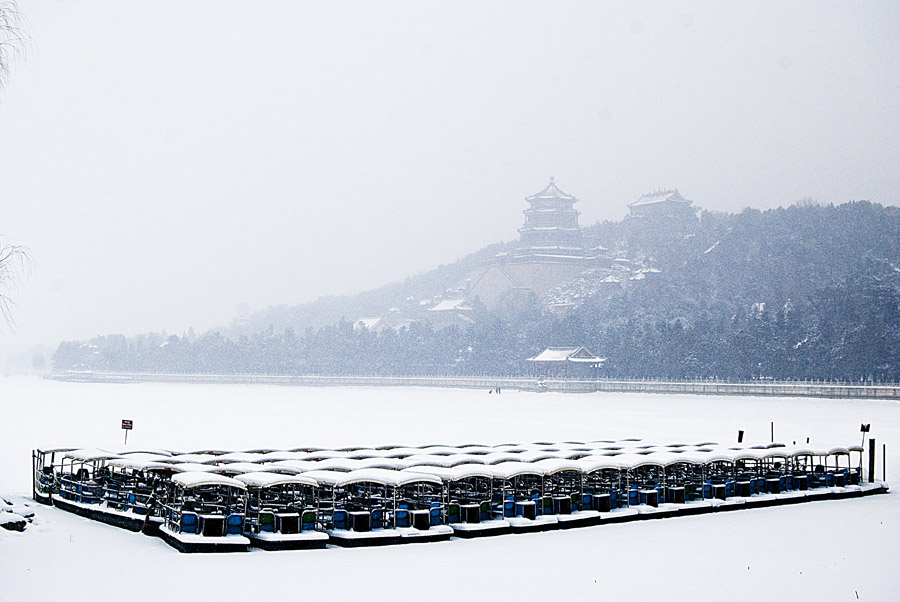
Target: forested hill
point(329, 310)
point(806, 291)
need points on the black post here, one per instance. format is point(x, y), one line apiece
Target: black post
point(33, 474)
point(773, 431)
point(740, 436)
point(871, 460)
point(884, 462)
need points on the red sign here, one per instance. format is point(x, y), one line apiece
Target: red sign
point(126, 425)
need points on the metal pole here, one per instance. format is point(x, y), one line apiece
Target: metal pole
point(772, 424)
point(871, 460)
point(884, 462)
point(33, 475)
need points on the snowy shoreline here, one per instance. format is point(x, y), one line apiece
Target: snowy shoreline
point(837, 390)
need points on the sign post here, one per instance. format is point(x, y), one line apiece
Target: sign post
point(863, 428)
point(126, 426)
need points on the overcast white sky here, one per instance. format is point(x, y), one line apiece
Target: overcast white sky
point(166, 162)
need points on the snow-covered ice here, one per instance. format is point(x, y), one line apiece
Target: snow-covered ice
point(830, 550)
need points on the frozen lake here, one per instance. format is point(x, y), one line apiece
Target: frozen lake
point(833, 550)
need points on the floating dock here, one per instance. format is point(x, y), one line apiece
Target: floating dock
point(223, 501)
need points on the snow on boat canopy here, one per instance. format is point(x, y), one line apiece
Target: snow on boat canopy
point(224, 500)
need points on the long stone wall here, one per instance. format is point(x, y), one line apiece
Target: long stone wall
point(842, 390)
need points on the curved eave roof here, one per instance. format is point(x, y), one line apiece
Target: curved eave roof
point(551, 191)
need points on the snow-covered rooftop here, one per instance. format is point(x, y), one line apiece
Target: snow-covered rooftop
point(660, 196)
point(551, 191)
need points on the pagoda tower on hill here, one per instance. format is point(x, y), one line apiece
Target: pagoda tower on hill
point(551, 251)
point(551, 230)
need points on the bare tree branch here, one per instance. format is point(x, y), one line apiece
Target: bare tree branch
point(15, 262)
point(14, 40)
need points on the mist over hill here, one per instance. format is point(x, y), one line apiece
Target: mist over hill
point(807, 291)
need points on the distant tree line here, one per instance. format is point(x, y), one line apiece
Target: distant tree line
point(804, 292)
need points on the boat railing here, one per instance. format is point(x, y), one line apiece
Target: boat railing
point(80, 488)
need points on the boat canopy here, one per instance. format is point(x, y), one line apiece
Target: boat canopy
point(89, 455)
point(295, 465)
point(426, 460)
point(132, 463)
point(364, 454)
point(457, 459)
point(510, 447)
point(394, 478)
point(240, 468)
point(340, 464)
point(240, 457)
point(326, 454)
point(455, 473)
point(510, 470)
point(634, 460)
point(386, 463)
point(56, 450)
point(149, 450)
point(438, 450)
point(182, 468)
point(498, 457)
point(534, 456)
point(554, 465)
point(710, 457)
point(402, 452)
point(475, 449)
point(198, 479)
point(594, 463)
point(270, 479)
point(275, 456)
point(193, 458)
point(750, 454)
point(331, 478)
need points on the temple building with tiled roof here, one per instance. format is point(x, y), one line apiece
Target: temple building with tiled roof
point(551, 228)
point(662, 204)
